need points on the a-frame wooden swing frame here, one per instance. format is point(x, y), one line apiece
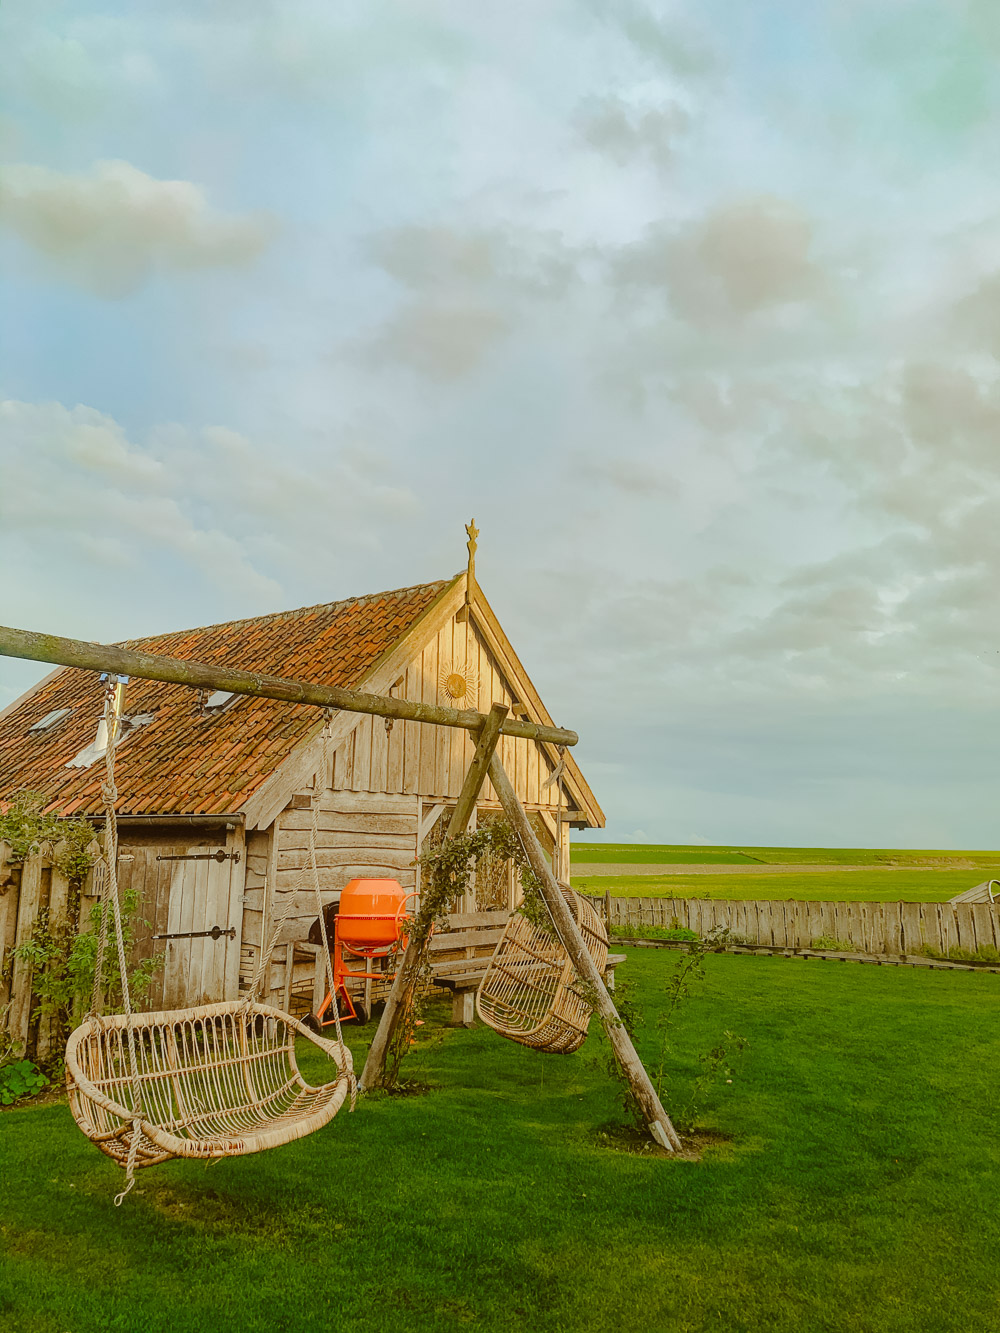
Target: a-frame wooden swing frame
point(486, 728)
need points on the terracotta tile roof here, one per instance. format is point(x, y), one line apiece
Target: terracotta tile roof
point(186, 761)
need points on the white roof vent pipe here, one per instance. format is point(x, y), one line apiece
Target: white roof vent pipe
point(98, 746)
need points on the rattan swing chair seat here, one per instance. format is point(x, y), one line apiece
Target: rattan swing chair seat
point(530, 991)
point(217, 1080)
point(220, 1080)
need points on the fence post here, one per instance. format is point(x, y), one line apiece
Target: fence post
point(20, 986)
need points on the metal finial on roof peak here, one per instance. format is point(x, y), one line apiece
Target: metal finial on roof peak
point(472, 544)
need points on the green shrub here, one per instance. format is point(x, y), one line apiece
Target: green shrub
point(986, 953)
point(679, 933)
point(20, 1079)
point(25, 826)
point(63, 962)
point(833, 945)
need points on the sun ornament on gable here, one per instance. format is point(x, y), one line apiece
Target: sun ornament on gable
point(459, 682)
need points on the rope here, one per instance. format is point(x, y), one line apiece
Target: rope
point(101, 884)
point(113, 696)
point(331, 981)
point(265, 957)
point(312, 867)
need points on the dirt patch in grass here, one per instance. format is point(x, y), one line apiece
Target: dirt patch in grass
point(218, 1212)
point(410, 1087)
point(626, 1139)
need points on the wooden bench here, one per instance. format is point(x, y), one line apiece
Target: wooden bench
point(459, 956)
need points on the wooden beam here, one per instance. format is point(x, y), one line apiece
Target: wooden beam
point(200, 675)
point(408, 973)
point(656, 1117)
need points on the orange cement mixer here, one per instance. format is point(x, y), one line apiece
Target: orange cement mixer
point(368, 924)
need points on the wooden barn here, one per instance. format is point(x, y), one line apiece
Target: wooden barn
point(215, 789)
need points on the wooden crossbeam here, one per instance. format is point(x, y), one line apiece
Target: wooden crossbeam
point(201, 675)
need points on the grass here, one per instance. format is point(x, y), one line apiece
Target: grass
point(857, 1195)
point(871, 885)
point(634, 853)
point(605, 853)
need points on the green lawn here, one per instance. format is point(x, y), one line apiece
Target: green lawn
point(858, 1195)
point(605, 853)
point(868, 885)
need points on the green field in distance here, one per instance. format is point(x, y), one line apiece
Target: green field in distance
point(867, 885)
point(634, 853)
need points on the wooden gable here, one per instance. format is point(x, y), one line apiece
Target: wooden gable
point(457, 655)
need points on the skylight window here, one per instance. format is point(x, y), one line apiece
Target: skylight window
point(47, 722)
point(97, 748)
point(218, 700)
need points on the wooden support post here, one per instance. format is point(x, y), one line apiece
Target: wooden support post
point(463, 1008)
point(656, 1117)
point(408, 972)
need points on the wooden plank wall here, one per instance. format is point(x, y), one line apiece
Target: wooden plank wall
point(258, 853)
point(360, 834)
point(869, 928)
point(413, 759)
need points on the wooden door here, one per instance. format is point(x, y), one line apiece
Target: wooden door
point(204, 892)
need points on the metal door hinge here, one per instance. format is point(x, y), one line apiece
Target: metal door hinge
point(219, 856)
point(216, 933)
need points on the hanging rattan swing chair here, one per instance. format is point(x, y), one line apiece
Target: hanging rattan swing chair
point(219, 1080)
point(530, 991)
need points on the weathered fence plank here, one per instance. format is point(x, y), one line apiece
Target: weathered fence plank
point(48, 1027)
point(910, 923)
point(984, 919)
point(29, 905)
point(10, 891)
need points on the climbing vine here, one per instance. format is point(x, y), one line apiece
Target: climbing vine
point(25, 825)
point(62, 953)
point(63, 960)
point(446, 870)
point(714, 1064)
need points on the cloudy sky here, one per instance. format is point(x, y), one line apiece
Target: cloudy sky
point(695, 307)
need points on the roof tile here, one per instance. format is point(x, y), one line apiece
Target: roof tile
point(184, 761)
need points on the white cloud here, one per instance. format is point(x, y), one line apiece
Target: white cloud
point(441, 341)
point(744, 256)
point(628, 133)
point(110, 229)
point(232, 513)
point(462, 294)
point(633, 477)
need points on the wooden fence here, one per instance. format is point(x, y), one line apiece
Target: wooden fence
point(868, 928)
point(33, 892)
